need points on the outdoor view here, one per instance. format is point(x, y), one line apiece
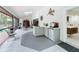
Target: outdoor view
point(5, 21)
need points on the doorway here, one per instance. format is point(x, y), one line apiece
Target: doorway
point(73, 27)
point(26, 24)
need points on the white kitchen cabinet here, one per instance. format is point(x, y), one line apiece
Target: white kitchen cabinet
point(38, 31)
point(46, 32)
point(54, 34)
point(50, 33)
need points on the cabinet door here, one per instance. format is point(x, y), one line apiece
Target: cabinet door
point(54, 34)
point(57, 34)
point(51, 34)
point(46, 32)
point(37, 31)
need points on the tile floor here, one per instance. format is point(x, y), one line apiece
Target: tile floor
point(74, 40)
point(12, 45)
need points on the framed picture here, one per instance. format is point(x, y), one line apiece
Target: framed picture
point(41, 18)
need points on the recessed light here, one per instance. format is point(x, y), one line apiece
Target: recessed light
point(26, 13)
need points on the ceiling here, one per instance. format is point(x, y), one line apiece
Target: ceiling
point(73, 11)
point(20, 10)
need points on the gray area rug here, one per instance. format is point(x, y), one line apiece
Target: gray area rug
point(37, 43)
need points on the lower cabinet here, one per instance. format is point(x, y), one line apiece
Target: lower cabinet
point(38, 31)
point(46, 32)
point(53, 34)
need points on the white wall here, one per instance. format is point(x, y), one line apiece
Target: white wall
point(49, 18)
point(74, 19)
point(59, 16)
point(21, 21)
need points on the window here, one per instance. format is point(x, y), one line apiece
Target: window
point(5, 21)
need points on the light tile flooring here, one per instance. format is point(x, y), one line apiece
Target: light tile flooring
point(74, 40)
point(12, 45)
